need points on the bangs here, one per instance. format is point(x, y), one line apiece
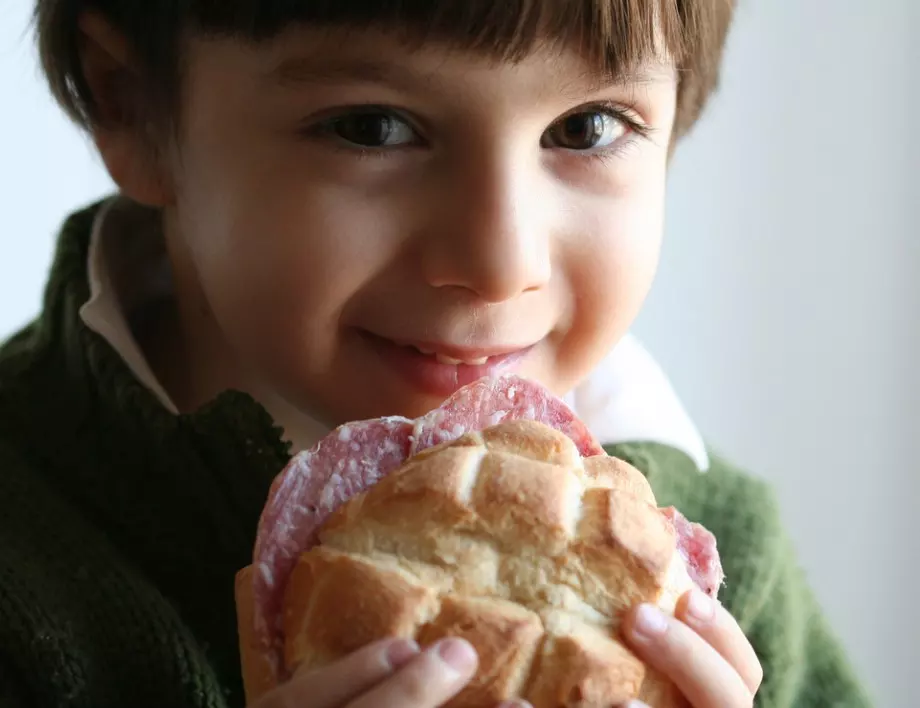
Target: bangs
point(614, 36)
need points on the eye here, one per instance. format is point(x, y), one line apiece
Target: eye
point(588, 130)
point(372, 129)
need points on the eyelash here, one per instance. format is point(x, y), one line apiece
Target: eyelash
point(626, 114)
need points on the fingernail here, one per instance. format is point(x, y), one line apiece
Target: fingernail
point(650, 621)
point(700, 606)
point(457, 654)
point(516, 703)
point(400, 652)
point(635, 704)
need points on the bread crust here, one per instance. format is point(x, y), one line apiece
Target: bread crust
point(507, 538)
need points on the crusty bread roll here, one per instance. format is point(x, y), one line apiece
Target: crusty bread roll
point(507, 538)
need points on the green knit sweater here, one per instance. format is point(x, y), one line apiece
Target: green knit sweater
point(122, 526)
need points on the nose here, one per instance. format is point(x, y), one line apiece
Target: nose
point(489, 233)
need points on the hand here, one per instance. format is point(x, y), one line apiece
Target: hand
point(388, 674)
point(702, 650)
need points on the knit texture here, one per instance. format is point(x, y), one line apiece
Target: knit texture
point(122, 527)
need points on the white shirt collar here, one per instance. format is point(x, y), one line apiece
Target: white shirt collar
point(627, 398)
point(127, 267)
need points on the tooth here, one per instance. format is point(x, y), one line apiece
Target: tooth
point(442, 359)
point(427, 352)
point(450, 361)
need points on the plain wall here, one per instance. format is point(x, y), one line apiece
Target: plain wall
point(786, 305)
point(786, 308)
point(47, 169)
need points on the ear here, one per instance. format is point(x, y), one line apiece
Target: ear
point(121, 127)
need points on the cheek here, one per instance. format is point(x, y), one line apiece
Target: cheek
point(279, 251)
point(611, 266)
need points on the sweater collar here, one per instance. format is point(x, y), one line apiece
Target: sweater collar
point(97, 373)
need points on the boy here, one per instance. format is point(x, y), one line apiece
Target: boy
point(341, 210)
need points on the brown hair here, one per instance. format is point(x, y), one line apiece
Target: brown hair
point(613, 34)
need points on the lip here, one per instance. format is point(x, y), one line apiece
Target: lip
point(429, 376)
point(460, 353)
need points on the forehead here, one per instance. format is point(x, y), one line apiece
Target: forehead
point(614, 41)
point(301, 59)
point(377, 57)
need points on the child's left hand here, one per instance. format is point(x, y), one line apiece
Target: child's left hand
point(702, 650)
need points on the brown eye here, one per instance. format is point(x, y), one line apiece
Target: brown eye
point(372, 130)
point(585, 131)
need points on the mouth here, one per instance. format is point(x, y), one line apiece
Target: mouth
point(459, 356)
point(441, 369)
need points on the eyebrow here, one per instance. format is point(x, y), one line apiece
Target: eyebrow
point(312, 70)
point(642, 76)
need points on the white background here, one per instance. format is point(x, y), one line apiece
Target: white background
point(786, 308)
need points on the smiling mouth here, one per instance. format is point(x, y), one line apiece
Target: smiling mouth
point(457, 358)
point(441, 368)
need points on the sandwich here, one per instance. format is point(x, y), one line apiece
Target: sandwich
point(497, 518)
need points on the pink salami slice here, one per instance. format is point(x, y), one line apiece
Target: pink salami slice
point(356, 456)
point(697, 546)
point(313, 485)
point(488, 402)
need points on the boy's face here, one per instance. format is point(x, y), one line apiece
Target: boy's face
point(341, 204)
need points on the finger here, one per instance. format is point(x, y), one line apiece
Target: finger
point(336, 684)
point(715, 624)
point(429, 680)
point(699, 671)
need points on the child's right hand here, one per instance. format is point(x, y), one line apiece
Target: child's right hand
point(388, 674)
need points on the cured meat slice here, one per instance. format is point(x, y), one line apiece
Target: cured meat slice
point(697, 546)
point(313, 485)
point(488, 402)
